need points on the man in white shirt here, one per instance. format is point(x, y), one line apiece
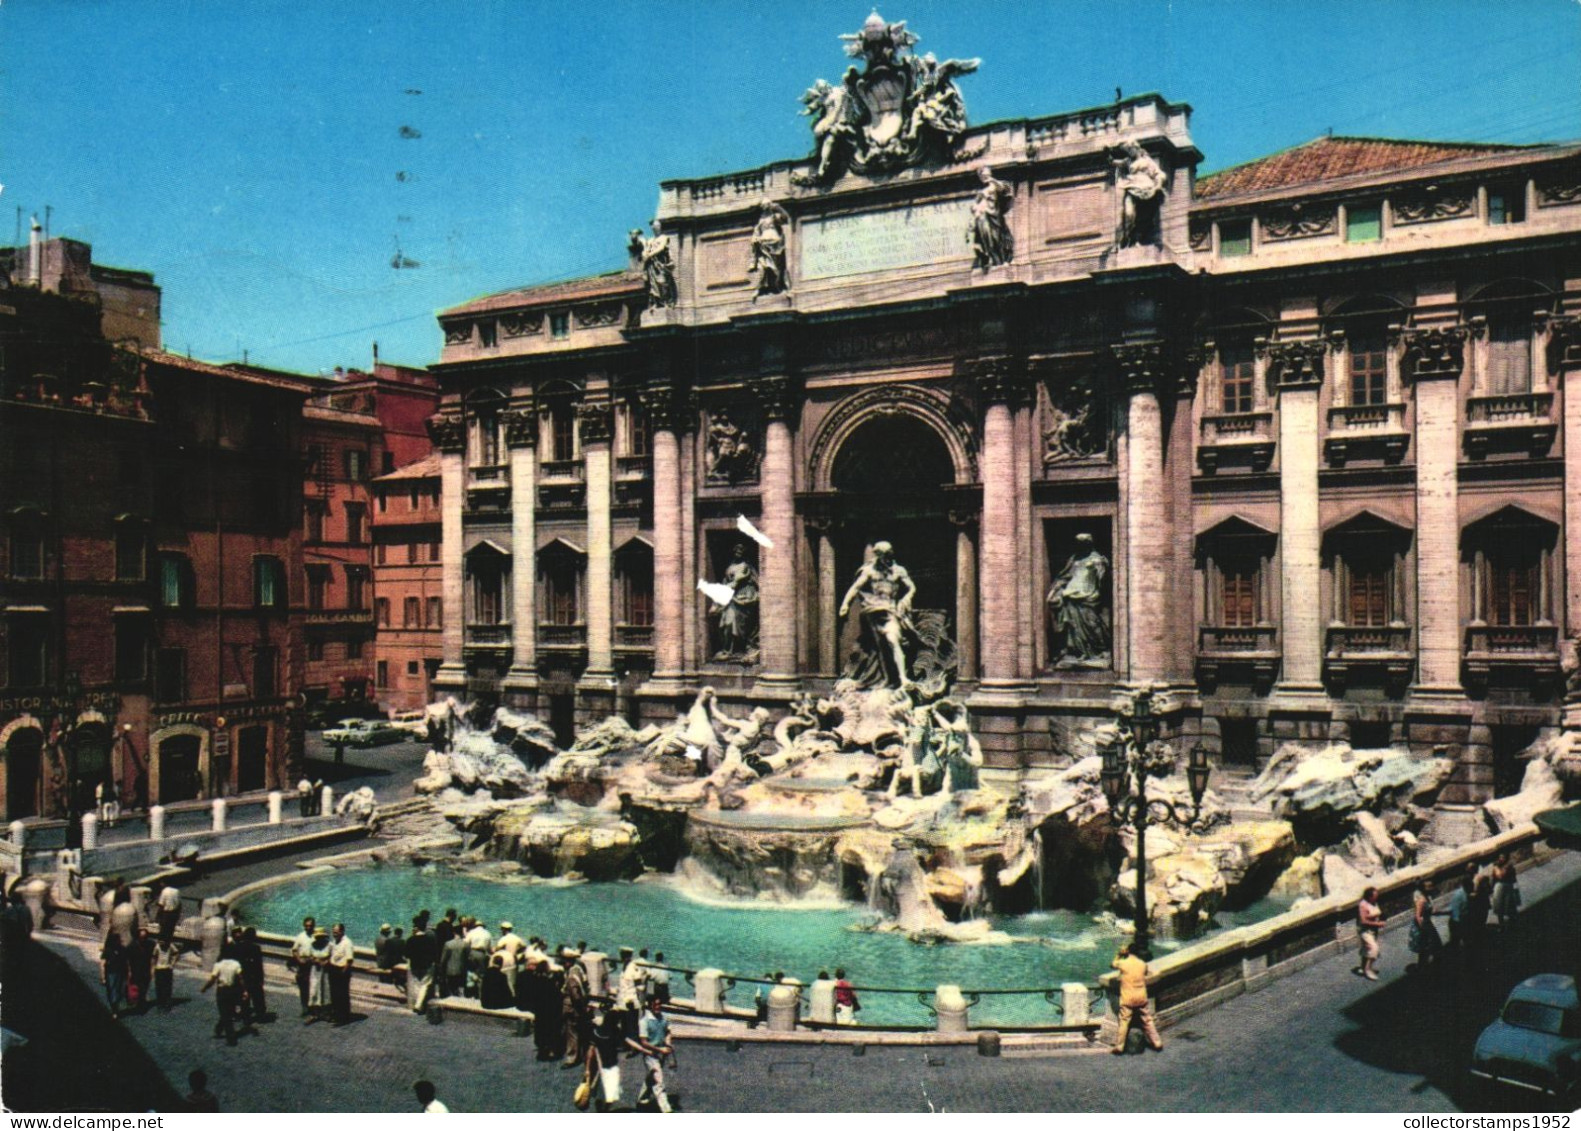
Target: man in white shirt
point(227, 976)
point(168, 910)
point(480, 945)
point(342, 959)
point(510, 945)
point(428, 1096)
point(302, 960)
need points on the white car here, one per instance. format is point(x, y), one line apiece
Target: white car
point(414, 723)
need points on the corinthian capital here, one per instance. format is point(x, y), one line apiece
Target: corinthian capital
point(446, 432)
point(1436, 352)
point(1297, 364)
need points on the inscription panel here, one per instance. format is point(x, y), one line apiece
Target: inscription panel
point(884, 241)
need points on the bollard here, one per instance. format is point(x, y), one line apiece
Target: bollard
point(327, 804)
point(156, 822)
point(784, 1009)
point(213, 939)
point(1077, 1009)
point(951, 1009)
point(35, 893)
point(596, 963)
point(820, 996)
point(217, 806)
point(275, 803)
point(90, 831)
point(19, 834)
point(710, 990)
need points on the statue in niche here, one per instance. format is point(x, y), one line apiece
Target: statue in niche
point(886, 590)
point(1078, 610)
point(768, 249)
point(1140, 181)
point(731, 455)
point(658, 266)
point(738, 619)
point(989, 234)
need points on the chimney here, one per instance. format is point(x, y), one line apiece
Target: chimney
point(35, 254)
point(375, 357)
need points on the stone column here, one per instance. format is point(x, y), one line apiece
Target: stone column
point(1148, 563)
point(965, 593)
point(521, 436)
point(828, 597)
point(594, 423)
point(1565, 338)
point(669, 567)
point(449, 437)
point(1438, 356)
point(997, 580)
point(1026, 660)
point(777, 566)
point(1298, 368)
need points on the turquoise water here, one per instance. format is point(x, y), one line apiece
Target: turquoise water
point(1048, 948)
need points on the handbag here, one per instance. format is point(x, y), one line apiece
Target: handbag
point(583, 1096)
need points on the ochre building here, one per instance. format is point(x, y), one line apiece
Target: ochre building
point(1290, 438)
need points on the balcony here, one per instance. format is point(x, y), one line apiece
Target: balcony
point(561, 471)
point(1366, 431)
point(488, 474)
point(489, 500)
point(633, 467)
point(634, 637)
point(1510, 422)
point(489, 635)
point(1253, 648)
point(1381, 650)
point(562, 497)
point(1529, 652)
point(1242, 439)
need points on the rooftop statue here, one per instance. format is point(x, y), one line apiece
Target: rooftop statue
point(992, 242)
point(894, 114)
point(658, 265)
point(768, 249)
point(1140, 181)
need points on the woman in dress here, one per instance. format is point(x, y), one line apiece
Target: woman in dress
point(1425, 941)
point(318, 1003)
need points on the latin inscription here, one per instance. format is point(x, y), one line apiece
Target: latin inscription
point(885, 241)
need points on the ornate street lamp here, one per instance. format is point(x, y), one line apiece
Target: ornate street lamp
point(1127, 764)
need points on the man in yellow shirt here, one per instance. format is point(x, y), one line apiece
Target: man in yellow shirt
point(1133, 1000)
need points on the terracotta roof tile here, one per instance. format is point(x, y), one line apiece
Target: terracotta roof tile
point(569, 290)
point(1329, 158)
point(425, 468)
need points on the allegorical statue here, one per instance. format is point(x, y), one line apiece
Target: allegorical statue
point(658, 266)
point(768, 249)
point(936, 103)
point(1078, 610)
point(738, 619)
point(1140, 182)
point(989, 233)
point(886, 590)
point(731, 456)
point(897, 112)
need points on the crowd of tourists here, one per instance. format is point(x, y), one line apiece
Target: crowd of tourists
point(1478, 893)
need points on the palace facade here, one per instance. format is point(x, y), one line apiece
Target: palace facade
point(1290, 438)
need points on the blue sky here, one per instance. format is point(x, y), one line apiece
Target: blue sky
point(251, 153)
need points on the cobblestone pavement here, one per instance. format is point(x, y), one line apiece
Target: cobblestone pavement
point(1319, 1040)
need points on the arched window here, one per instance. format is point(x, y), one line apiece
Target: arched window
point(488, 573)
point(484, 408)
point(562, 572)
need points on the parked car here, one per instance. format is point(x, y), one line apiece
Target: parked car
point(414, 723)
point(1536, 1042)
point(364, 732)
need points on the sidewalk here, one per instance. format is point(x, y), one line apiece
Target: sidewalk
point(1320, 1040)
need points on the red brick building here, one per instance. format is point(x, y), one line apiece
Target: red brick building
point(150, 529)
point(408, 607)
point(362, 425)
